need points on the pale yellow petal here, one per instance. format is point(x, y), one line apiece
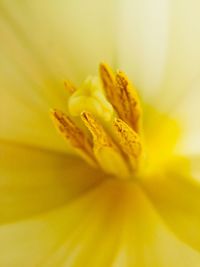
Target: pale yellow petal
point(159, 47)
point(113, 225)
point(175, 193)
point(187, 114)
point(34, 181)
point(143, 42)
point(42, 44)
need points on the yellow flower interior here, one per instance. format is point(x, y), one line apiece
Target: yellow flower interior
point(109, 133)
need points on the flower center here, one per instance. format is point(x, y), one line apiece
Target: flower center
point(110, 112)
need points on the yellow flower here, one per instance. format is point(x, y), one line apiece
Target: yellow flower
point(124, 190)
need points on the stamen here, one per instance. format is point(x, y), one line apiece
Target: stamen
point(70, 87)
point(107, 153)
point(122, 96)
point(129, 141)
point(109, 84)
point(68, 129)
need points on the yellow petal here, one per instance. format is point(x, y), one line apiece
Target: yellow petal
point(159, 47)
point(119, 229)
point(42, 44)
point(176, 195)
point(143, 39)
point(161, 134)
point(187, 113)
point(33, 181)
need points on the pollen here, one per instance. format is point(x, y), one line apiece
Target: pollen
point(74, 135)
point(103, 123)
point(105, 150)
point(122, 95)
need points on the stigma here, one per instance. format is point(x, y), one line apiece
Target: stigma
point(108, 134)
point(90, 97)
